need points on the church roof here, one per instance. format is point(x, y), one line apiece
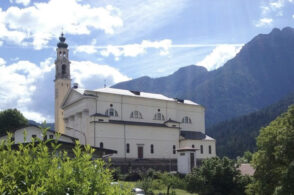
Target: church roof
point(194, 135)
point(135, 94)
point(137, 123)
point(171, 121)
point(186, 149)
point(99, 114)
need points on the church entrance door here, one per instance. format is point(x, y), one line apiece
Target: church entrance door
point(140, 152)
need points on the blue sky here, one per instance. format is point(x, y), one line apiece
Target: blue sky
point(118, 40)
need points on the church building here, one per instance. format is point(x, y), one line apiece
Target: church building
point(139, 126)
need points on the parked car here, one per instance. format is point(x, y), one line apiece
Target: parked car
point(138, 191)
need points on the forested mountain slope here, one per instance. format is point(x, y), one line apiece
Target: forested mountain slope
point(238, 135)
point(261, 74)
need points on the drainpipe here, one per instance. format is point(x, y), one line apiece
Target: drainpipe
point(121, 116)
point(96, 102)
point(125, 142)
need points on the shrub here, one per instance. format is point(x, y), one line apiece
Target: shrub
point(133, 175)
point(146, 185)
point(217, 176)
point(34, 168)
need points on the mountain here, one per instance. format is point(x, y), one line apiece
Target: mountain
point(47, 125)
point(259, 75)
point(238, 135)
point(174, 85)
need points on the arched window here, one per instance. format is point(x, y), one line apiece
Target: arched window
point(136, 114)
point(128, 148)
point(209, 149)
point(159, 116)
point(111, 112)
point(151, 149)
point(63, 69)
point(101, 144)
point(201, 149)
point(186, 119)
point(174, 149)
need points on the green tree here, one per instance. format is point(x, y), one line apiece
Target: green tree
point(169, 180)
point(274, 160)
point(217, 176)
point(35, 168)
point(11, 119)
point(246, 158)
point(146, 184)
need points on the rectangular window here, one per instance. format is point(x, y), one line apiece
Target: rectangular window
point(128, 148)
point(34, 136)
point(201, 149)
point(51, 136)
point(209, 149)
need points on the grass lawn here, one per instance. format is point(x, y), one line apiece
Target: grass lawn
point(178, 192)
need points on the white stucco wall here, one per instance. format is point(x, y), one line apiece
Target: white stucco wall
point(197, 144)
point(184, 161)
point(116, 137)
point(124, 105)
point(32, 130)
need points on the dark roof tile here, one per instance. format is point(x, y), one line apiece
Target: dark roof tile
point(99, 114)
point(193, 135)
point(137, 123)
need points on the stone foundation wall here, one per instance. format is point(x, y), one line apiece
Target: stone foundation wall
point(143, 164)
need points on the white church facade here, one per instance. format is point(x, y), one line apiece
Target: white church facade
point(137, 125)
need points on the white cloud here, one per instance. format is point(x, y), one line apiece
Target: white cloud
point(277, 4)
point(220, 55)
point(143, 17)
point(36, 116)
point(270, 9)
point(272, 6)
point(2, 62)
point(18, 82)
point(264, 22)
point(44, 21)
point(24, 2)
point(129, 50)
point(81, 71)
point(29, 87)
point(89, 49)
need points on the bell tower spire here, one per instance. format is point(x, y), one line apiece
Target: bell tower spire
point(62, 81)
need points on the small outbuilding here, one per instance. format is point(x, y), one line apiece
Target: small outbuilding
point(25, 136)
point(186, 159)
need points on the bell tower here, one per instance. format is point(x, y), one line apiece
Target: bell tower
point(62, 81)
